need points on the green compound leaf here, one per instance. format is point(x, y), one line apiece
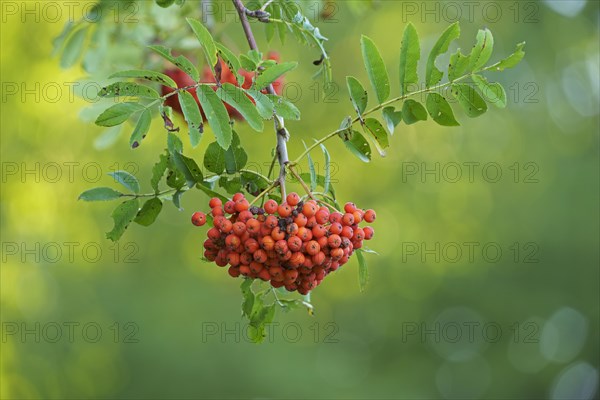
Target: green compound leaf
point(118, 113)
point(511, 60)
point(413, 111)
point(482, 51)
point(129, 89)
point(148, 75)
point(158, 171)
point(410, 53)
point(206, 41)
point(180, 62)
point(236, 97)
point(122, 217)
point(440, 110)
point(141, 128)
point(127, 180)
point(150, 210)
point(358, 94)
point(493, 92)
point(214, 158)
point(432, 74)
point(378, 133)
point(192, 115)
point(375, 69)
point(471, 102)
point(100, 194)
point(216, 114)
point(271, 74)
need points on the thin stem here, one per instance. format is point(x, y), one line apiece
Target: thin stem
point(306, 188)
point(282, 133)
point(372, 110)
point(137, 195)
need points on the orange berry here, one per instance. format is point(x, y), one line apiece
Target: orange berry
point(232, 241)
point(264, 274)
point(267, 243)
point(252, 226)
point(348, 219)
point(293, 199)
point(217, 211)
point(292, 229)
point(310, 208)
point(215, 202)
point(322, 216)
point(260, 256)
point(271, 221)
point(290, 275)
point(213, 233)
point(251, 245)
point(358, 216)
point(349, 207)
point(281, 246)
point(336, 217)
point(229, 207)
point(334, 241)
point(239, 228)
point(319, 258)
point(370, 216)
point(294, 243)
point(256, 267)
point(242, 205)
point(319, 231)
point(234, 272)
point(304, 234)
point(301, 220)
point(313, 247)
point(233, 259)
point(284, 210)
point(199, 218)
point(335, 228)
point(359, 234)
point(369, 232)
point(347, 232)
point(337, 254)
point(237, 197)
point(277, 233)
point(271, 206)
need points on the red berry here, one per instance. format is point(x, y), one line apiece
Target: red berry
point(284, 210)
point(310, 208)
point(215, 202)
point(369, 232)
point(271, 206)
point(370, 216)
point(199, 218)
point(293, 199)
point(349, 207)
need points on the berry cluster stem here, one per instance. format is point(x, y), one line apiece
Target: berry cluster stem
point(281, 131)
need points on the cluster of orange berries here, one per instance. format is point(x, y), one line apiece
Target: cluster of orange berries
point(293, 245)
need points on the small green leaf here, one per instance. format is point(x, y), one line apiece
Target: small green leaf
point(468, 98)
point(247, 63)
point(150, 210)
point(327, 169)
point(232, 62)
point(232, 186)
point(392, 118)
point(236, 97)
point(432, 74)
point(100, 194)
point(493, 92)
point(180, 62)
point(127, 180)
point(214, 158)
point(141, 128)
point(375, 69)
point(358, 145)
point(378, 134)
point(176, 199)
point(235, 156)
point(158, 171)
point(164, 3)
point(117, 114)
point(174, 144)
point(511, 60)
point(148, 75)
point(482, 51)
point(128, 89)
point(192, 115)
point(271, 74)
point(358, 94)
point(188, 167)
point(284, 108)
point(122, 217)
point(264, 105)
point(363, 270)
point(216, 114)
point(175, 178)
point(458, 65)
point(413, 111)
point(410, 53)
point(73, 48)
point(312, 170)
point(206, 40)
point(440, 110)
point(248, 297)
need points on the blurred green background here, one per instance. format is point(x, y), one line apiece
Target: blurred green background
point(146, 318)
